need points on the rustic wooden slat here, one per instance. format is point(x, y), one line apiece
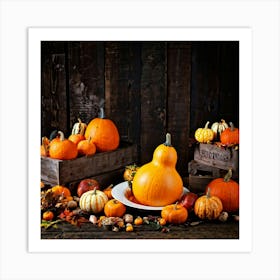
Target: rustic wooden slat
point(66, 171)
point(198, 183)
point(229, 82)
point(122, 87)
point(153, 98)
point(212, 155)
point(53, 88)
point(178, 99)
point(86, 80)
point(205, 84)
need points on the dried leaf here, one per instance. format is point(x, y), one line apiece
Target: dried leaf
point(195, 223)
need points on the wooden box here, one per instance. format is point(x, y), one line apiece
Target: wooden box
point(200, 175)
point(100, 165)
point(198, 183)
point(219, 157)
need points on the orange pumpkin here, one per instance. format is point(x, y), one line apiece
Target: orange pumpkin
point(63, 148)
point(103, 133)
point(230, 135)
point(158, 183)
point(114, 208)
point(227, 190)
point(86, 148)
point(61, 190)
point(76, 138)
point(208, 207)
point(174, 214)
point(48, 215)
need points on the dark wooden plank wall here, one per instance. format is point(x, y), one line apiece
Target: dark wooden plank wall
point(147, 88)
point(214, 83)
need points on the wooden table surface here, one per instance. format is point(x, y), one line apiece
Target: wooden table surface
point(192, 229)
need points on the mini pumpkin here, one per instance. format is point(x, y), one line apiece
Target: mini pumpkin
point(114, 208)
point(230, 136)
point(208, 207)
point(174, 213)
point(86, 148)
point(158, 183)
point(204, 135)
point(79, 127)
point(63, 148)
point(103, 133)
point(218, 128)
point(76, 138)
point(61, 190)
point(227, 190)
point(93, 201)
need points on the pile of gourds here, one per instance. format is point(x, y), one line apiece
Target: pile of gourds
point(156, 183)
point(99, 135)
point(227, 134)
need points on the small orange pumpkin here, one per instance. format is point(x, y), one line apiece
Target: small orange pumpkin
point(114, 208)
point(138, 221)
point(63, 148)
point(104, 133)
point(61, 190)
point(76, 138)
point(86, 148)
point(174, 213)
point(230, 136)
point(227, 190)
point(48, 215)
point(208, 207)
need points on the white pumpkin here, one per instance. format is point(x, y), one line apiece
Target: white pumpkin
point(79, 127)
point(93, 201)
point(219, 127)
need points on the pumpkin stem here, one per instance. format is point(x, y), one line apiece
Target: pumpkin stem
point(206, 125)
point(175, 205)
point(102, 114)
point(168, 140)
point(228, 176)
point(61, 135)
point(231, 126)
point(208, 193)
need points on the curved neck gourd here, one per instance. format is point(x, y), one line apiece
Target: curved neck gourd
point(165, 154)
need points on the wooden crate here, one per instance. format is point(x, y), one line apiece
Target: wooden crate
point(219, 157)
point(101, 166)
point(198, 183)
point(200, 175)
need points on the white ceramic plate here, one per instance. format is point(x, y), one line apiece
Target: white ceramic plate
point(118, 192)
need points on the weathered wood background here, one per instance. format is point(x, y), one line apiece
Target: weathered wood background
point(146, 88)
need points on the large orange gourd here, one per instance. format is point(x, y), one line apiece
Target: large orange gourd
point(103, 133)
point(158, 183)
